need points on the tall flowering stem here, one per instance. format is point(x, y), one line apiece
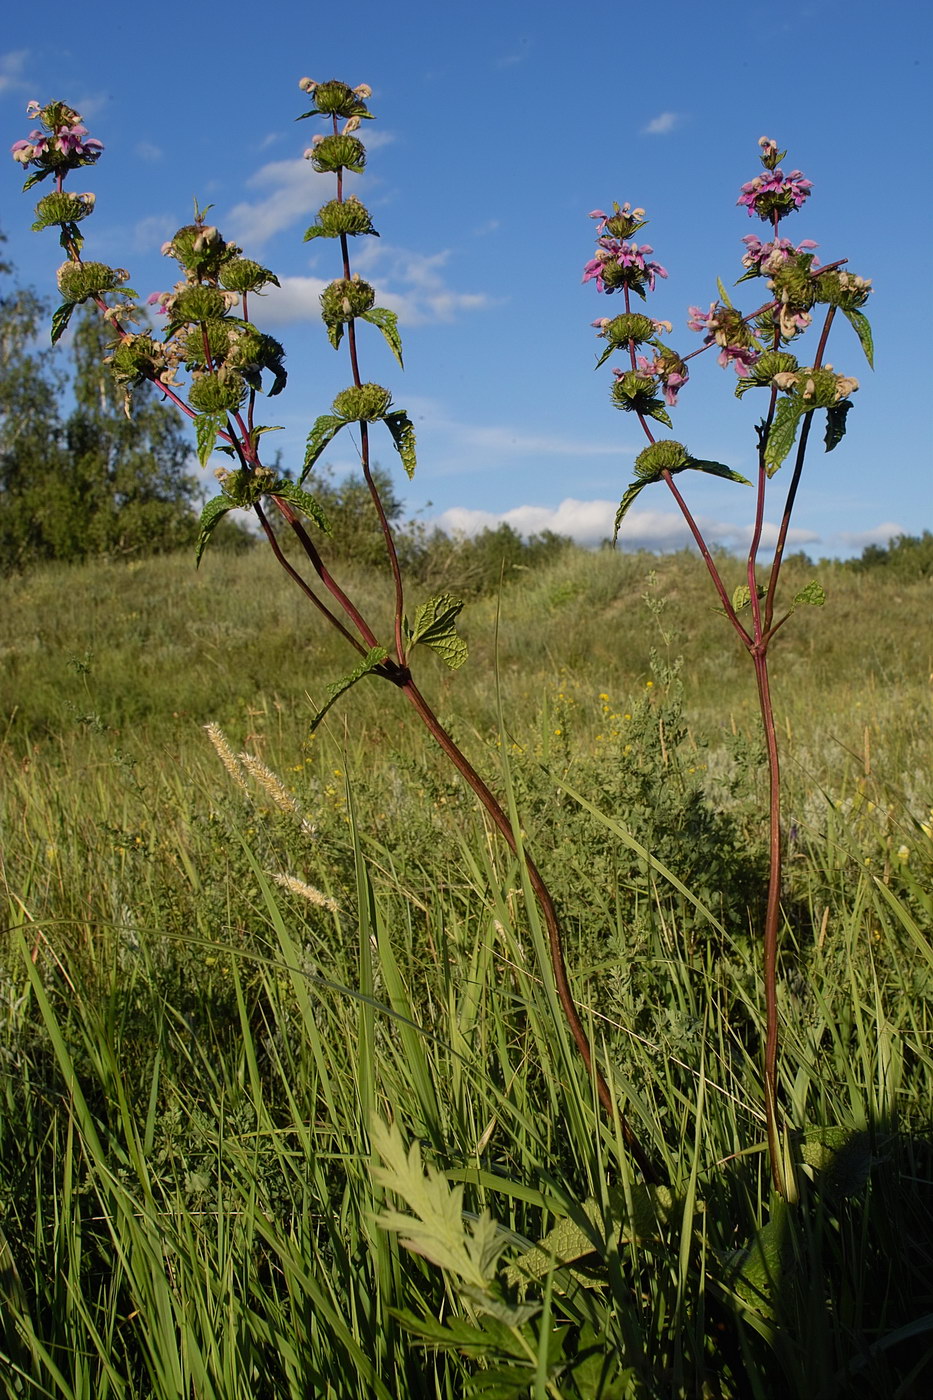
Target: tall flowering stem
point(229, 362)
point(756, 346)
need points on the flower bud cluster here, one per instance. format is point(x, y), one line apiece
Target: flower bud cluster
point(726, 327)
point(817, 388)
point(60, 144)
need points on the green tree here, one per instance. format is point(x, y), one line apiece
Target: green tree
point(96, 482)
point(30, 428)
point(126, 489)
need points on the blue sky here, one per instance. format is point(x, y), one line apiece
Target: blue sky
point(499, 127)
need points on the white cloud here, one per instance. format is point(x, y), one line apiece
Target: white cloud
point(11, 70)
point(148, 152)
point(410, 284)
point(150, 233)
point(662, 124)
point(296, 191)
point(590, 522)
point(880, 534)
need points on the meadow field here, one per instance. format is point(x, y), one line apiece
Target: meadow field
point(229, 964)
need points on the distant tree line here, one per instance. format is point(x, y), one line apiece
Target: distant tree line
point(91, 481)
point(906, 557)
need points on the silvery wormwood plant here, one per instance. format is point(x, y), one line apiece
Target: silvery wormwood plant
point(213, 362)
point(762, 347)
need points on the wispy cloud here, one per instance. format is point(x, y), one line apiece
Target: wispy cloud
point(295, 191)
point(591, 522)
point(880, 534)
point(149, 152)
point(413, 285)
point(11, 70)
point(662, 124)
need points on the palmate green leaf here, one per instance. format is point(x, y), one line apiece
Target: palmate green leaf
point(836, 423)
point(302, 501)
point(403, 435)
point(211, 516)
point(860, 324)
point(60, 320)
point(435, 627)
point(387, 322)
point(782, 434)
point(373, 658)
point(436, 1229)
point(322, 434)
point(206, 428)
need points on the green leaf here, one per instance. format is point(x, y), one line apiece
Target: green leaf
point(211, 516)
point(435, 627)
point(756, 1273)
point(324, 431)
point(387, 321)
point(723, 294)
point(813, 595)
point(741, 597)
point(436, 1228)
point(206, 428)
point(860, 324)
point(301, 501)
point(653, 1207)
point(836, 423)
point(370, 661)
point(34, 179)
point(659, 412)
point(60, 320)
point(403, 435)
point(624, 505)
point(782, 434)
point(842, 1156)
point(335, 333)
point(699, 464)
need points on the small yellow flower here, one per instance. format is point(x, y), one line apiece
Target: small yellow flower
point(648, 684)
point(903, 852)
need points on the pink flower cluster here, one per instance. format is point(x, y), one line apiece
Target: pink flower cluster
point(768, 258)
point(66, 145)
point(726, 328)
point(637, 269)
point(774, 193)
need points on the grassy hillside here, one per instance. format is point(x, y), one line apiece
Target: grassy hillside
point(214, 982)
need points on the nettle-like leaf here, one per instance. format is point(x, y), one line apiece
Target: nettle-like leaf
point(322, 434)
point(387, 322)
point(436, 1227)
point(369, 663)
point(335, 333)
point(649, 474)
point(211, 516)
point(435, 627)
point(860, 324)
point(782, 434)
point(653, 1208)
point(813, 595)
point(206, 428)
point(403, 435)
point(836, 423)
point(60, 320)
point(308, 506)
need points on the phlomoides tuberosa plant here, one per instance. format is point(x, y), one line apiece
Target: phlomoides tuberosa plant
point(212, 362)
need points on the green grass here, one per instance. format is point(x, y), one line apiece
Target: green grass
point(192, 1056)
